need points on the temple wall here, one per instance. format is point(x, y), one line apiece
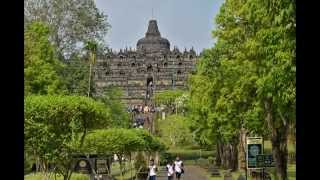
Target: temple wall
point(130, 73)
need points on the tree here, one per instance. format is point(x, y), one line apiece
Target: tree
point(168, 98)
point(91, 46)
point(73, 22)
point(270, 44)
point(112, 99)
point(248, 79)
point(121, 142)
point(55, 128)
point(76, 76)
point(174, 131)
point(151, 142)
point(41, 66)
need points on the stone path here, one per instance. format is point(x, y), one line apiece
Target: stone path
point(191, 173)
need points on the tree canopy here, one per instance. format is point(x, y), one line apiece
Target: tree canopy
point(174, 131)
point(73, 23)
point(247, 80)
point(55, 127)
point(41, 65)
point(112, 99)
point(121, 141)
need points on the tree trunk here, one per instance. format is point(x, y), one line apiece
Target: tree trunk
point(218, 154)
point(280, 153)
point(242, 149)
point(83, 135)
point(234, 157)
point(156, 159)
point(121, 166)
point(229, 156)
point(109, 162)
point(279, 139)
point(222, 155)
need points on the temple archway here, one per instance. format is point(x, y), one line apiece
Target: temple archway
point(149, 68)
point(149, 79)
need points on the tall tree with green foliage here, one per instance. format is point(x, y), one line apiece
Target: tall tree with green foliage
point(76, 76)
point(56, 126)
point(174, 131)
point(248, 79)
point(73, 23)
point(169, 98)
point(91, 47)
point(112, 99)
point(121, 142)
point(41, 66)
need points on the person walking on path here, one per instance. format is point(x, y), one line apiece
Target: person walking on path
point(178, 167)
point(170, 170)
point(152, 170)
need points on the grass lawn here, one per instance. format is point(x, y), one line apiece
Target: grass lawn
point(115, 169)
point(268, 147)
point(190, 154)
point(40, 176)
point(127, 175)
point(235, 175)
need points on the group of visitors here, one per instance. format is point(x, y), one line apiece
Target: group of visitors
point(141, 109)
point(137, 110)
point(139, 121)
point(174, 169)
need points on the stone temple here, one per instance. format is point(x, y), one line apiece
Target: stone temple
point(151, 67)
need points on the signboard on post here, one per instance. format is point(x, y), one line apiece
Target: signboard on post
point(101, 166)
point(83, 166)
point(265, 160)
point(254, 148)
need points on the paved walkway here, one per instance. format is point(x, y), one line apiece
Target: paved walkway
point(191, 173)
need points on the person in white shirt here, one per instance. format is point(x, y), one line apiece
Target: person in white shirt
point(152, 170)
point(178, 167)
point(170, 170)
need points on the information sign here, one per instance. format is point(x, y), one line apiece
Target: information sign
point(254, 148)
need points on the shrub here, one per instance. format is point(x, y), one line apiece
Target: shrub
point(202, 162)
point(190, 154)
point(140, 166)
point(211, 160)
point(165, 157)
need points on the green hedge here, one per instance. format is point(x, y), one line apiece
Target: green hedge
point(185, 155)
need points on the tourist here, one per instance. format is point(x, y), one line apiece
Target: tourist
point(152, 170)
point(178, 167)
point(170, 170)
point(146, 109)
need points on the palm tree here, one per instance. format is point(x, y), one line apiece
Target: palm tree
point(91, 46)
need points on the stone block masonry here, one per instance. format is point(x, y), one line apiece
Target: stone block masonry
point(151, 63)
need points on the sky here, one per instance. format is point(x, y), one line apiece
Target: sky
point(185, 23)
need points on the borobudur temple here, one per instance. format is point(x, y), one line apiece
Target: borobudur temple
point(151, 67)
